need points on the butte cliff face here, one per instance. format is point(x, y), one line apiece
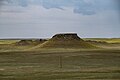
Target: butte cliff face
point(67, 40)
point(66, 37)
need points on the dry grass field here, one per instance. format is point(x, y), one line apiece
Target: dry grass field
point(21, 63)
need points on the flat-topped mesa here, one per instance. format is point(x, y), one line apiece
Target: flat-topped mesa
point(66, 36)
point(66, 40)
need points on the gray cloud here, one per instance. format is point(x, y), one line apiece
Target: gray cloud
point(85, 7)
point(23, 3)
point(79, 6)
point(1, 3)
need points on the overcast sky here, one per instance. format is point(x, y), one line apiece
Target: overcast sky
point(44, 18)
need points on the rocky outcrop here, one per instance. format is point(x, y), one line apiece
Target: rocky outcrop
point(66, 36)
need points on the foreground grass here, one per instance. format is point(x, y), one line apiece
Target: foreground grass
point(45, 65)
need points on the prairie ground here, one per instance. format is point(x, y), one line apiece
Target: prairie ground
point(59, 64)
point(53, 65)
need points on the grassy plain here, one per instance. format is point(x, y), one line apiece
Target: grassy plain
point(8, 41)
point(59, 64)
point(108, 40)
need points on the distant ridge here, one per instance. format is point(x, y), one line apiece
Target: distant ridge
point(30, 42)
point(19, 38)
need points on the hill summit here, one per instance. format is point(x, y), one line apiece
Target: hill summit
point(66, 40)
